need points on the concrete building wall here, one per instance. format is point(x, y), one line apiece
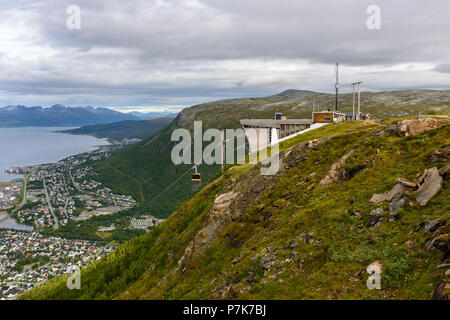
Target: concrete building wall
point(257, 138)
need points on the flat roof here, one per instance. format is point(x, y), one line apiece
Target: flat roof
point(326, 111)
point(273, 123)
point(351, 113)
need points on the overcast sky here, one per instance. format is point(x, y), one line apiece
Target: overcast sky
point(169, 54)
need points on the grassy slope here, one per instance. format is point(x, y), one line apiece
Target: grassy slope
point(143, 268)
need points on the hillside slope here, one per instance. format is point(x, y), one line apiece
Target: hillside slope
point(146, 170)
point(304, 233)
point(129, 129)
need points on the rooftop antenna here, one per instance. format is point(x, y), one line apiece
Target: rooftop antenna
point(314, 107)
point(359, 99)
point(353, 104)
point(336, 69)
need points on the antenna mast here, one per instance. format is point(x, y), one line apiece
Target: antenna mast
point(336, 68)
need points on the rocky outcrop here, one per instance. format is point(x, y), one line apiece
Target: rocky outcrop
point(394, 206)
point(431, 186)
point(428, 185)
point(431, 226)
point(218, 218)
point(375, 217)
point(406, 183)
point(410, 127)
point(439, 155)
point(442, 292)
point(445, 172)
point(398, 190)
point(440, 238)
point(335, 171)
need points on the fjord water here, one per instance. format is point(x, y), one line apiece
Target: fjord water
point(39, 145)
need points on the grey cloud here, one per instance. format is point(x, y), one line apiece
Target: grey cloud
point(443, 68)
point(158, 52)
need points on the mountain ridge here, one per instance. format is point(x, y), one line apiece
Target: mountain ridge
point(126, 129)
point(58, 116)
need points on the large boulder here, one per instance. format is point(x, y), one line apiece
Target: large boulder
point(431, 186)
point(398, 190)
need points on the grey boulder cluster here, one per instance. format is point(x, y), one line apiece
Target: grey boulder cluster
point(426, 186)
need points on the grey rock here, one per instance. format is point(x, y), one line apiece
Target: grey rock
point(255, 257)
point(398, 190)
point(396, 204)
point(309, 237)
point(439, 293)
point(432, 225)
point(431, 186)
point(393, 216)
point(445, 172)
point(376, 212)
point(374, 220)
point(291, 245)
point(380, 220)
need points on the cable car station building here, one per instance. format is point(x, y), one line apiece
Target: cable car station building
point(264, 132)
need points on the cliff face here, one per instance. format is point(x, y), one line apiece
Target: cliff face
point(293, 236)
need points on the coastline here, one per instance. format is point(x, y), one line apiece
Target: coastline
point(14, 174)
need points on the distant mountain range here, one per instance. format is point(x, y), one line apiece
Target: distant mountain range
point(59, 116)
point(149, 115)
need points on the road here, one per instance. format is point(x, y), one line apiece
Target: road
point(67, 197)
point(25, 182)
point(73, 182)
point(55, 219)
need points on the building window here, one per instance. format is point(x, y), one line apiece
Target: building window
point(327, 118)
